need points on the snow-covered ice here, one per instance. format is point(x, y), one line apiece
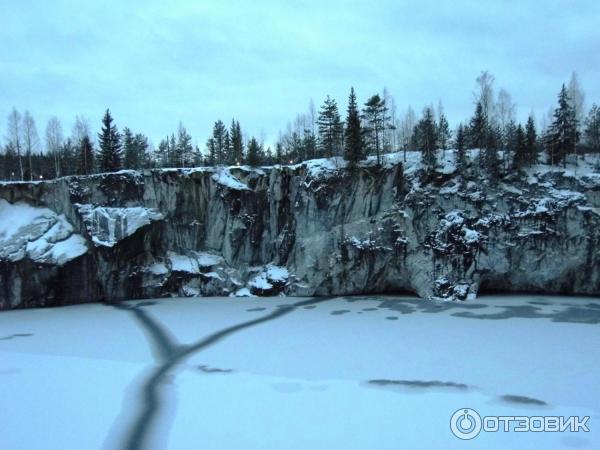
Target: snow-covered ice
point(274, 373)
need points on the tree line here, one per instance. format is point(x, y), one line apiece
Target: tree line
point(370, 129)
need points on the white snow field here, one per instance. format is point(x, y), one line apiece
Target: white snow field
point(287, 373)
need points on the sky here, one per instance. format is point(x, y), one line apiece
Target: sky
point(156, 63)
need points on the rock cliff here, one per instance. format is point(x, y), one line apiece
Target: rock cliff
point(316, 228)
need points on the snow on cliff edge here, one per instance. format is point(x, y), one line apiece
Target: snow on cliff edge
point(38, 234)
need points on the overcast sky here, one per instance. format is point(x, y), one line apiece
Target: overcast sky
point(155, 63)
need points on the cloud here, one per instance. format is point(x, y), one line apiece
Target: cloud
point(155, 63)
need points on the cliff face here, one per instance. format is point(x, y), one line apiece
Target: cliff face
point(309, 229)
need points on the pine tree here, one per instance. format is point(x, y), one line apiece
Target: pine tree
point(130, 154)
point(592, 128)
point(426, 136)
point(185, 150)
point(460, 153)
point(219, 141)
point(375, 115)
point(211, 149)
point(253, 156)
point(354, 143)
point(491, 161)
point(161, 154)
point(227, 150)
point(110, 145)
point(85, 160)
point(531, 147)
point(330, 128)
point(444, 134)
point(510, 137)
point(478, 128)
point(309, 143)
point(69, 157)
point(237, 143)
point(268, 157)
point(173, 152)
point(563, 134)
point(521, 156)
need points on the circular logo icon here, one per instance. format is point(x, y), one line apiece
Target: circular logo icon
point(465, 423)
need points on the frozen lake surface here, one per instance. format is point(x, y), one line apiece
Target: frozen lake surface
point(287, 373)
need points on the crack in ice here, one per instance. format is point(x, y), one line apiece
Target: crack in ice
point(168, 353)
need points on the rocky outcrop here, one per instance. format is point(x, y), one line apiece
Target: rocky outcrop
point(315, 228)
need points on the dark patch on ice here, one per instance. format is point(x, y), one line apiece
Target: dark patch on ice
point(206, 369)
point(163, 343)
point(588, 313)
point(521, 399)
point(256, 309)
point(146, 303)
point(508, 312)
point(573, 314)
point(15, 335)
point(409, 306)
point(420, 384)
point(310, 307)
point(339, 312)
point(392, 318)
point(10, 371)
point(168, 355)
point(370, 309)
